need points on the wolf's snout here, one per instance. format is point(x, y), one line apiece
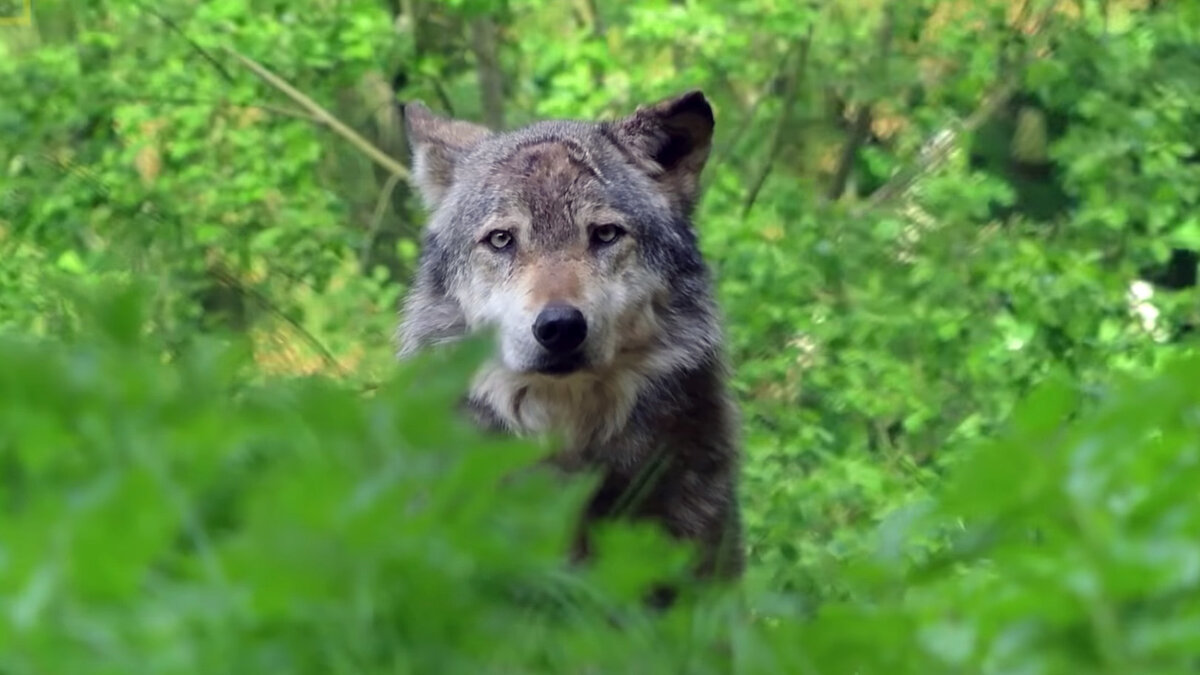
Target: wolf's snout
point(560, 328)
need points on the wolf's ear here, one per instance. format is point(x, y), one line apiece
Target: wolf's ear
point(671, 139)
point(437, 144)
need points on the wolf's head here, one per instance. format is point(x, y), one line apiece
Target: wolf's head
point(571, 239)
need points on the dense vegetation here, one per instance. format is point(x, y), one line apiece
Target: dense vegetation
point(956, 249)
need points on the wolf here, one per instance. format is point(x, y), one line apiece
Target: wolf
point(573, 243)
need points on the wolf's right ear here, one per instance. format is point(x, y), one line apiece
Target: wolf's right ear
point(437, 144)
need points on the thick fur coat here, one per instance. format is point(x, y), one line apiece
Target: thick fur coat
point(573, 242)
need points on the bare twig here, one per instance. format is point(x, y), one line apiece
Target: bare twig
point(722, 152)
point(938, 148)
point(791, 87)
point(174, 27)
point(183, 100)
point(323, 116)
point(588, 15)
point(443, 96)
point(385, 195)
point(858, 134)
point(598, 27)
point(862, 118)
point(237, 286)
point(226, 278)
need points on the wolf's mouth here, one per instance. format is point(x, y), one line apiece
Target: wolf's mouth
point(561, 365)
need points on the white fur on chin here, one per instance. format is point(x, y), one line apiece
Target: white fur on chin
point(585, 406)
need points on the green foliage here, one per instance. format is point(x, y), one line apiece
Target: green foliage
point(971, 437)
point(172, 518)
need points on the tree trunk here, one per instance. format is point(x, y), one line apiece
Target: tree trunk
point(491, 79)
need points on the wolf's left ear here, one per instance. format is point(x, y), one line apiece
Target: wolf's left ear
point(671, 139)
point(437, 143)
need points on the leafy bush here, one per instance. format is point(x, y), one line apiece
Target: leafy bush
point(920, 214)
point(169, 517)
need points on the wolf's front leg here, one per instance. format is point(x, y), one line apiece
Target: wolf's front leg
point(695, 505)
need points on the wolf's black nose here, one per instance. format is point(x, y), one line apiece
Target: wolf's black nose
point(560, 328)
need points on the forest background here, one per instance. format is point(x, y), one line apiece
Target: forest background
point(956, 248)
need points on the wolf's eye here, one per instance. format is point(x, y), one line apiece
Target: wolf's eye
point(606, 234)
point(499, 239)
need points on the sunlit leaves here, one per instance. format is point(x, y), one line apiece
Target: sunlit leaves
point(171, 504)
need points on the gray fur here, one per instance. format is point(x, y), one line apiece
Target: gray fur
point(653, 395)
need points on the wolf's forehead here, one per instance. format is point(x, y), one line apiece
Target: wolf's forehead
point(550, 180)
point(549, 160)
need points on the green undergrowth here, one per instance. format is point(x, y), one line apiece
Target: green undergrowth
point(173, 515)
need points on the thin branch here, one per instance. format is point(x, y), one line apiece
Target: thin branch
point(183, 100)
point(587, 14)
point(791, 88)
point(174, 27)
point(862, 118)
point(938, 147)
point(597, 19)
point(220, 68)
point(385, 196)
point(236, 285)
point(323, 116)
point(443, 96)
point(722, 152)
point(221, 275)
point(858, 133)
